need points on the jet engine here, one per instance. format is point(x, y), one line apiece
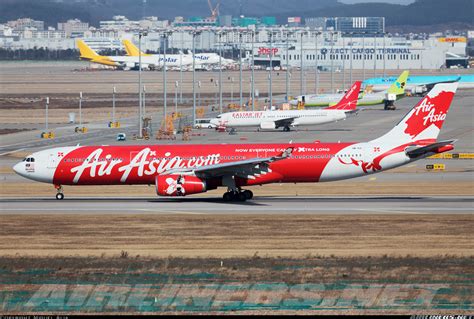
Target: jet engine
point(267, 125)
point(179, 185)
point(127, 66)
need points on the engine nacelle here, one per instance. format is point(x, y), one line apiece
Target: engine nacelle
point(128, 65)
point(179, 185)
point(267, 125)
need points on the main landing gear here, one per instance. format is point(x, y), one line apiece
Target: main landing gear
point(237, 195)
point(59, 194)
point(286, 128)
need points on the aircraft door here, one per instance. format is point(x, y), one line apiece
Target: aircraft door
point(53, 161)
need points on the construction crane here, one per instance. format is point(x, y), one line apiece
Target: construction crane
point(214, 10)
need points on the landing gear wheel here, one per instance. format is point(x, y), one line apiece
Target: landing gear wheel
point(228, 196)
point(59, 196)
point(286, 129)
point(248, 194)
point(241, 197)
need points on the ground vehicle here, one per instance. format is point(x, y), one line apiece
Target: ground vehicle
point(204, 123)
point(121, 137)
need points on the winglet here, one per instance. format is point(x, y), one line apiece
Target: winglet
point(132, 50)
point(349, 100)
point(398, 87)
point(287, 153)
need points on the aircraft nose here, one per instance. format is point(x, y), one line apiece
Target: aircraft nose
point(18, 168)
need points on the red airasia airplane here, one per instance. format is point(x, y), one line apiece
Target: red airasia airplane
point(179, 170)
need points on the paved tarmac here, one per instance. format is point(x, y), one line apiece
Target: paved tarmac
point(266, 205)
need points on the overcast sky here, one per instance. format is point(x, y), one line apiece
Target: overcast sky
point(387, 1)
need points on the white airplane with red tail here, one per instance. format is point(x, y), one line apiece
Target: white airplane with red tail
point(276, 119)
point(179, 170)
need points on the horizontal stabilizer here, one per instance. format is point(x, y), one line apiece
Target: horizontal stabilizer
point(438, 147)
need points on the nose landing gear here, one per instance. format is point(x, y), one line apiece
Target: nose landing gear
point(59, 194)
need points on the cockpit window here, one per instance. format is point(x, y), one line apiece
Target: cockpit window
point(29, 159)
point(32, 159)
point(219, 116)
point(24, 160)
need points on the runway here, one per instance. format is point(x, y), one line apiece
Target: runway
point(259, 205)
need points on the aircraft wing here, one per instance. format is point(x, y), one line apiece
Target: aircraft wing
point(245, 168)
point(429, 86)
point(284, 122)
point(414, 151)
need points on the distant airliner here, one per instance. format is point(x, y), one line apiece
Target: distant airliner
point(292, 118)
point(131, 62)
point(201, 58)
point(397, 88)
point(466, 81)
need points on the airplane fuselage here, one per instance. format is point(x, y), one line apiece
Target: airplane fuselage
point(121, 165)
point(259, 118)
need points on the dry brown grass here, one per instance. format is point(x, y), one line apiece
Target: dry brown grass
point(236, 235)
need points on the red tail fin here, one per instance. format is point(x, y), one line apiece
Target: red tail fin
point(349, 100)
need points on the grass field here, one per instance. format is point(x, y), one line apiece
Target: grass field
point(236, 236)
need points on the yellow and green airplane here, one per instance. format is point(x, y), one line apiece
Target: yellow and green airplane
point(397, 89)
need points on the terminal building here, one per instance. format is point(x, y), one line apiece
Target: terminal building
point(356, 26)
point(328, 43)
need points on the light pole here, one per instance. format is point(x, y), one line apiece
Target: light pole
point(46, 121)
point(113, 105)
point(220, 70)
point(270, 95)
point(231, 90)
point(217, 85)
point(194, 33)
point(241, 101)
point(316, 81)
point(199, 93)
point(140, 110)
point(301, 62)
point(254, 32)
point(287, 75)
point(343, 62)
point(144, 101)
point(363, 55)
point(166, 34)
point(351, 56)
point(80, 109)
point(331, 56)
point(375, 53)
point(383, 54)
point(176, 86)
point(181, 69)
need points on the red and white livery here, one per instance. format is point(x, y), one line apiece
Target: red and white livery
point(291, 118)
point(179, 170)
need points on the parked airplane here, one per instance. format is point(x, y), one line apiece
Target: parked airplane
point(179, 170)
point(286, 119)
point(130, 62)
point(466, 81)
point(202, 59)
point(397, 88)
